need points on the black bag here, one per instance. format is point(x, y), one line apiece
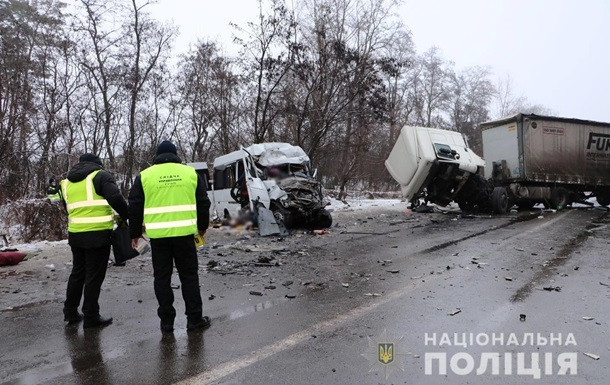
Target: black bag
point(121, 244)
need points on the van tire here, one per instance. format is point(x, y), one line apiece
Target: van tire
point(283, 215)
point(500, 200)
point(323, 220)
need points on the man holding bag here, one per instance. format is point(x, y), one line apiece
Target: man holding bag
point(171, 201)
point(90, 194)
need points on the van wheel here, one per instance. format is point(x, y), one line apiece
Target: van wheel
point(283, 215)
point(323, 220)
point(499, 200)
point(603, 199)
point(560, 198)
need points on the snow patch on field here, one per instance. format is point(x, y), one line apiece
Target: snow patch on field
point(353, 204)
point(37, 246)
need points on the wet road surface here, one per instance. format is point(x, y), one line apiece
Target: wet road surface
point(493, 269)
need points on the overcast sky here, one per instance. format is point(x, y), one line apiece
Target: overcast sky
point(556, 51)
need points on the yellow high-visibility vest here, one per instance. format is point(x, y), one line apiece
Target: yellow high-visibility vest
point(170, 205)
point(87, 211)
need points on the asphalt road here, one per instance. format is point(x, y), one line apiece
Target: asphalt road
point(380, 276)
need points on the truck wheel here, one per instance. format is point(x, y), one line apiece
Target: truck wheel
point(323, 220)
point(499, 200)
point(603, 200)
point(560, 198)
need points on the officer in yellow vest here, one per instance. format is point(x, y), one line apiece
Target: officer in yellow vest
point(53, 191)
point(90, 195)
point(171, 201)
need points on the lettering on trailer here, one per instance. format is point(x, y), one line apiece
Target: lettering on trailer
point(598, 146)
point(552, 130)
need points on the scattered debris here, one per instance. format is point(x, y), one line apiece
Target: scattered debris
point(591, 355)
point(287, 283)
point(175, 286)
point(588, 318)
point(270, 287)
point(552, 288)
point(605, 284)
point(522, 317)
point(394, 271)
point(256, 293)
point(508, 278)
point(344, 284)
point(455, 311)
point(50, 266)
point(519, 249)
point(265, 259)
point(372, 294)
point(267, 223)
point(211, 297)
point(290, 296)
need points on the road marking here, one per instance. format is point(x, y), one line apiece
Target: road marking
point(228, 368)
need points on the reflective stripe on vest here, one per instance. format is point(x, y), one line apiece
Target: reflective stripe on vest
point(54, 197)
point(170, 206)
point(87, 211)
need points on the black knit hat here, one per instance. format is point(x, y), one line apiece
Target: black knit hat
point(166, 147)
point(88, 157)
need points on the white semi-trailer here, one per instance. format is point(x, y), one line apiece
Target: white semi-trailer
point(542, 159)
point(529, 159)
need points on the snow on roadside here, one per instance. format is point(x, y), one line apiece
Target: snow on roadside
point(37, 246)
point(364, 204)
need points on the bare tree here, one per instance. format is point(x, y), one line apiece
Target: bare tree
point(149, 40)
point(269, 56)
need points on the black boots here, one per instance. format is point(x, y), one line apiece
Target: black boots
point(72, 317)
point(97, 321)
point(200, 324)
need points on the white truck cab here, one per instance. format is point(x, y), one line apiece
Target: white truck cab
point(433, 164)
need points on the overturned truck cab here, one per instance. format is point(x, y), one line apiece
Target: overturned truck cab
point(437, 166)
point(276, 176)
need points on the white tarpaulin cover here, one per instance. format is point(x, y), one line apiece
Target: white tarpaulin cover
point(273, 154)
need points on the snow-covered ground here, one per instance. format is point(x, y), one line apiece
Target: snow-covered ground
point(364, 204)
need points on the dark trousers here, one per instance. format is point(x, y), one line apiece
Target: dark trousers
point(88, 273)
point(182, 251)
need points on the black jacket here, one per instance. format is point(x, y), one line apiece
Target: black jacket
point(105, 186)
point(136, 200)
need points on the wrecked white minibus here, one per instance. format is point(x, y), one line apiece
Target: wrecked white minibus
point(276, 176)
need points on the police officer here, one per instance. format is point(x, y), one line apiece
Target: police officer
point(53, 191)
point(171, 201)
point(90, 195)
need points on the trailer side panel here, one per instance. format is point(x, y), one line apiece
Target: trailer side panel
point(564, 152)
